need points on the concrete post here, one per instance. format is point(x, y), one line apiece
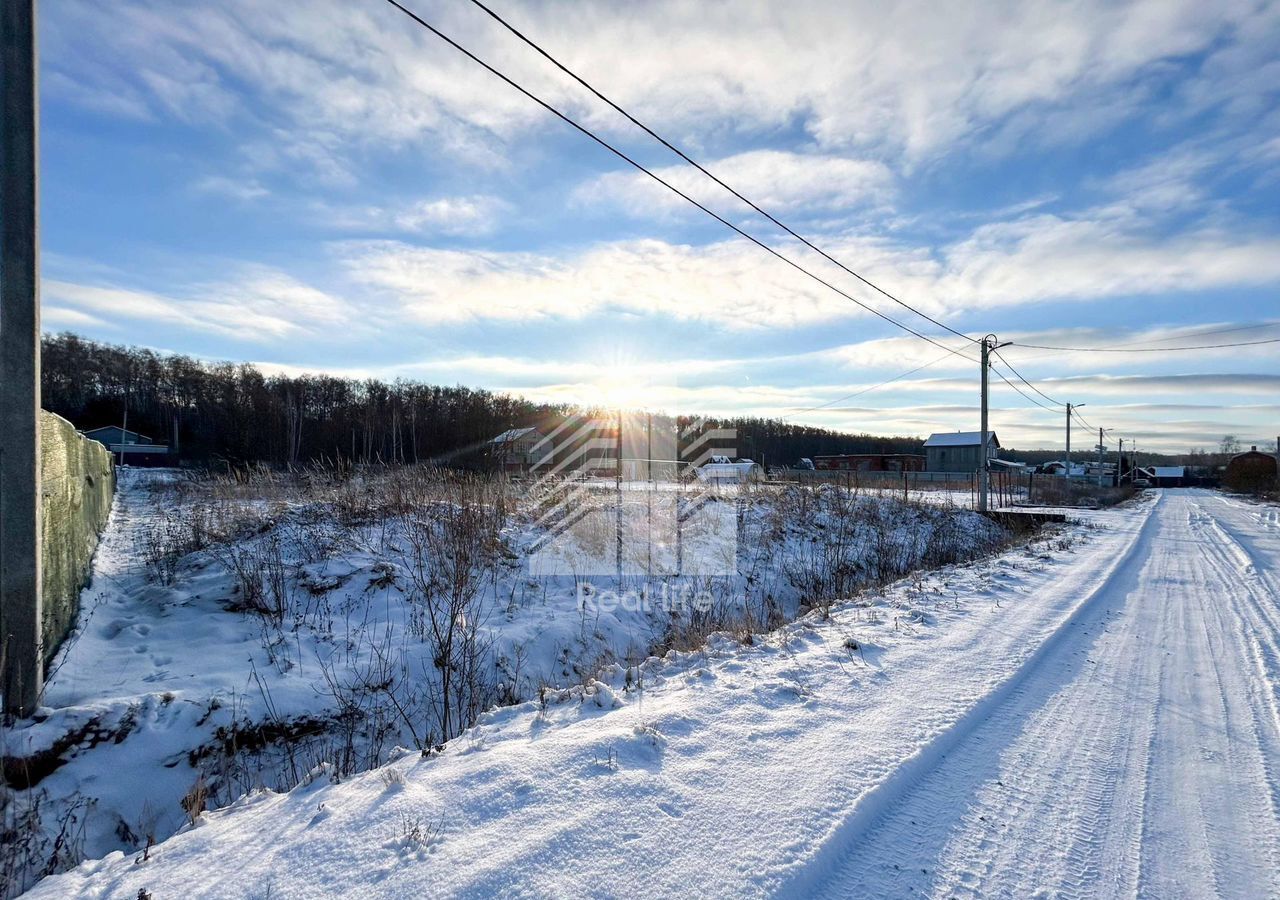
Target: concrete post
point(20, 601)
point(983, 464)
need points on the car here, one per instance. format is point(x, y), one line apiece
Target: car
point(1141, 482)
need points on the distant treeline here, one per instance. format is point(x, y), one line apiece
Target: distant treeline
point(234, 413)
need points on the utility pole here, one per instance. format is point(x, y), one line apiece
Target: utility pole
point(1067, 472)
point(1100, 449)
point(989, 343)
point(1120, 463)
point(1070, 407)
point(20, 600)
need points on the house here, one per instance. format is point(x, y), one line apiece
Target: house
point(958, 451)
point(870, 462)
point(513, 450)
point(1251, 471)
point(130, 447)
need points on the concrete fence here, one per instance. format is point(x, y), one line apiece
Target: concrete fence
point(78, 481)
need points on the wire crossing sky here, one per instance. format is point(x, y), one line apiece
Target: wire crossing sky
point(327, 187)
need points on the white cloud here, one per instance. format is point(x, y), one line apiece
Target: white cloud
point(778, 181)
point(258, 305)
point(736, 285)
point(475, 215)
point(915, 77)
point(1046, 256)
point(236, 188)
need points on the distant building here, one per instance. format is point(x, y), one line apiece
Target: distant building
point(513, 450)
point(1059, 467)
point(130, 447)
point(870, 462)
point(959, 451)
point(1251, 471)
point(1169, 476)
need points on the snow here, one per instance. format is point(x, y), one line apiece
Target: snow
point(1096, 714)
point(168, 680)
point(958, 439)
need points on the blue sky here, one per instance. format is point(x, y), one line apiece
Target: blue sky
point(326, 187)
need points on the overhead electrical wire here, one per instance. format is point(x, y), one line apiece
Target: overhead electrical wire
point(868, 390)
point(1025, 381)
point(1192, 334)
point(615, 151)
point(1118, 349)
point(806, 242)
point(684, 156)
point(1030, 398)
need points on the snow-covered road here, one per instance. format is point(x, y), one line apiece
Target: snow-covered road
point(1095, 716)
point(1137, 756)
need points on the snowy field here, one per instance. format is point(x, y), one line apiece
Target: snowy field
point(1093, 715)
point(241, 637)
point(1099, 718)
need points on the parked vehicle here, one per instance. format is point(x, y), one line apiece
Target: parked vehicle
point(1141, 483)
point(725, 470)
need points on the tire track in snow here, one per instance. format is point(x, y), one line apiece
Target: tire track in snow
point(1129, 757)
point(879, 802)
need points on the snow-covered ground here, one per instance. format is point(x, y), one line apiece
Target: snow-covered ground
point(1097, 719)
point(236, 637)
point(1093, 721)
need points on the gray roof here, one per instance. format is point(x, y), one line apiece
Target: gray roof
point(514, 434)
point(959, 439)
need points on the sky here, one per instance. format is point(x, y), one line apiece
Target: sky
point(328, 187)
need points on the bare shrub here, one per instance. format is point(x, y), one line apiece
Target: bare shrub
point(193, 802)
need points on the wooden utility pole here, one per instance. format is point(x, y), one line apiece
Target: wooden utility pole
point(20, 602)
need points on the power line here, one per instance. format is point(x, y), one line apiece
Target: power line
point(1002, 377)
point(869, 389)
point(684, 156)
point(1181, 337)
point(1025, 381)
point(1143, 349)
point(615, 151)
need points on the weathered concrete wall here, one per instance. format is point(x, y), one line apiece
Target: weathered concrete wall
point(78, 482)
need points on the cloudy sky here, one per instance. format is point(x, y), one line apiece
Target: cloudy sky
point(322, 186)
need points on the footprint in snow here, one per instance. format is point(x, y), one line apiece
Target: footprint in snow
point(112, 629)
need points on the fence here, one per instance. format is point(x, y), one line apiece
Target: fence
point(1006, 488)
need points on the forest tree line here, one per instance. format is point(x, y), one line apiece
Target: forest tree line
point(235, 414)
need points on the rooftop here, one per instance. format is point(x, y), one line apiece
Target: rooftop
point(959, 439)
